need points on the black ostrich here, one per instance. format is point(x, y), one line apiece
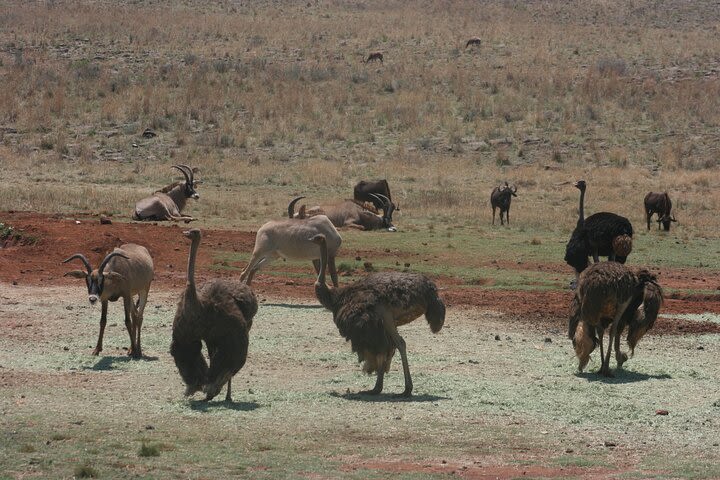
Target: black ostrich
point(603, 234)
point(368, 312)
point(220, 314)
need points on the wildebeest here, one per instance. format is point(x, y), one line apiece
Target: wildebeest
point(375, 56)
point(473, 41)
point(500, 198)
point(364, 191)
point(659, 203)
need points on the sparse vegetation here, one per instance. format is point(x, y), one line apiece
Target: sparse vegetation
point(149, 450)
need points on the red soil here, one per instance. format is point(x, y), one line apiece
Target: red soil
point(58, 238)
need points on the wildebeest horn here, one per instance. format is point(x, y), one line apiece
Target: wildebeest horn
point(83, 258)
point(107, 259)
point(291, 206)
point(514, 188)
point(184, 172)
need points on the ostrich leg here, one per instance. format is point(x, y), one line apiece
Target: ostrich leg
point(391, 329)
point(228, 396)
point(601, 336)
point(378, 383)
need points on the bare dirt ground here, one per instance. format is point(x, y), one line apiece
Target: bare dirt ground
point(59, 237)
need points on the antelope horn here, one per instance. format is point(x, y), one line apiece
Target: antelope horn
point(83, 258)
point(291, 206)
point(190, 172)
point(382, 197)
point(107, 259)
point(184, 172)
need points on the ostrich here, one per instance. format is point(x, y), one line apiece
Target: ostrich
point(368, 312)
point(605, 292)
point(639, 320)
point(219, 313)
point(602, 234)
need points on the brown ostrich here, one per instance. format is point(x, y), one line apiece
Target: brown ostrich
point(368, 313)
point(605, 292)
point(220, 313)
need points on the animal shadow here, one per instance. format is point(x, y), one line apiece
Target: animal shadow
point(293, 305)
point(110, 363)
point(621, 377)
point(203, 406)
point(387, 397)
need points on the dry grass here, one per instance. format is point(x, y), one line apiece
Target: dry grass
point(273, 100)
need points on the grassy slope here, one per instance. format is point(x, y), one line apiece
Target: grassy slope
point(515, 401)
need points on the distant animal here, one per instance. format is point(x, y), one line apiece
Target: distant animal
point(659, 203)
point(289, 238)
point(123, 273)
point(369, 311)
point(169, 202)
point(374, 56)
point(605, 292)
point(352, 214)
point(500, 197)
point(368, 191)
point(473, 41)
point(639, 317)
point(602, 234)
point(219, 313)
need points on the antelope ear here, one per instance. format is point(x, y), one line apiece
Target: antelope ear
point(75, 274)
point(114, 276)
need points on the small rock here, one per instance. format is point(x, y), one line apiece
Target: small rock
point(569, 450)
point(407, 265)
point(700, 347)
point(548, 340)
point(148, 133)
point(497, 337)
point(105, 220)
point(661, 412)
point(69, 307)
point(149, 427)
point(66, 348)
point(358, 259)
point(610, 444)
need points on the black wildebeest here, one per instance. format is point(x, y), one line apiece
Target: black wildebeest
point(500, 198)
point(659, 203)
point(365, 191)
point(374, 56)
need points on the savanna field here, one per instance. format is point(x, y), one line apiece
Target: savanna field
point(273, 100)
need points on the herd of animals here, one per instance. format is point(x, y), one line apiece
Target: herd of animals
point(368, 312)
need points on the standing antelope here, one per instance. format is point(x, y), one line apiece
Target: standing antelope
point(125, 272)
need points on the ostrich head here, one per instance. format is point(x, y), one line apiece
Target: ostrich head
point(580, 185)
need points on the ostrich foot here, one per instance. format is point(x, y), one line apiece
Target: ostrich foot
point(605, 372)
point(407, 393)
point(96, 352)
point(374, 391)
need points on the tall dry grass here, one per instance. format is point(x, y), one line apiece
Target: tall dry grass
point(273, 100)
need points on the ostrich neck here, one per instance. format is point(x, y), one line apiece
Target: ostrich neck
point(190, 290)
point(581, 212)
